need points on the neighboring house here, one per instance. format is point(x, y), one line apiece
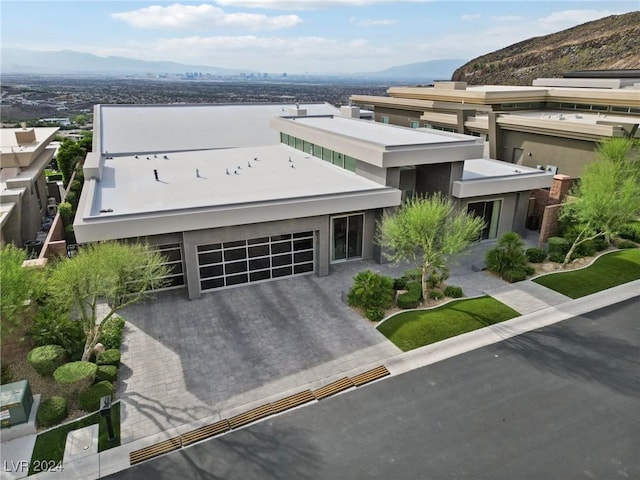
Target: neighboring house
point(233, 194)
point(555, 124)
point(24, 198)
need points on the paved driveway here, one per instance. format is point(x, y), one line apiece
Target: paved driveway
point(184, 360)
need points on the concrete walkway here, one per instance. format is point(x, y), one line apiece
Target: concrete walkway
point(527, 296)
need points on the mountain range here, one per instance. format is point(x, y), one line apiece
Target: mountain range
point(68, 62)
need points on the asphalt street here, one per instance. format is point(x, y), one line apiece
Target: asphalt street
point(561, 402)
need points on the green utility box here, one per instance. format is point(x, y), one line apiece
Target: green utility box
point(15, 403)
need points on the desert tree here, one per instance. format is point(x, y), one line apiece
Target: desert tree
point(114, 273)
point(426, 231)
point(606, 196)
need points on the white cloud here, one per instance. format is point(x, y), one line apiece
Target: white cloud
point(201, 17)
point(371, 22)
point(569, 18)
point(307, 4)
point(471, 17)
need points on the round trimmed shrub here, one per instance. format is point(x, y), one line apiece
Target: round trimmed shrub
point(557, 257)
point(46, 359)
point(76, 376)
point(558, 245)
point(106, 372)
point(52, 411)
point(375, 314)
point(436, 294)
point(622, 244)
point(410, 299)
point(89, 400)
point(109, 357)
point(453, 292)
point(535, 255)
point(513, 276)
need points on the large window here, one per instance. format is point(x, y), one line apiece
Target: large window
point(489, 211)
point(172, 252)
point(244, 261)
point(346, 237)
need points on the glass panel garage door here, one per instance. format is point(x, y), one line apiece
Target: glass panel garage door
point(254, 260)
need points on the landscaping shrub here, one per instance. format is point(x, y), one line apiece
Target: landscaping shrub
point(89, 400)
point(51, 327)
point(558, 245)
point(411, 299)
point(436, 277)
point(557, 257)
point(623, 244)
point(513, 276)
point(529, 270)
point(69, 234)
point(507, 255)
point(400, 283)
point(106, 372)
point(66, 212)
point(600, 244)
point(111, 333)
point(453, 292)
point(630, 231)
point(109, 357)
point(76, 185)
point(375, 314)
point(435, 294)
point(52, 411)
point(371, 290)
point(72, 198)
point(76, 377)
point(536, 255)
point(46, 359)
point(413, 275)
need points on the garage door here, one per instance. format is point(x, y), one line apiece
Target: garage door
point(254, 260)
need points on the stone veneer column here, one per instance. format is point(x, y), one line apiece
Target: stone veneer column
point(559, 188)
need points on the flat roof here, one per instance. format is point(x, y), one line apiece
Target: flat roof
point(191, 180)
point(482, 168)
point(382, 134)
point(180, 127)
point(577, 117)
point(9, 144)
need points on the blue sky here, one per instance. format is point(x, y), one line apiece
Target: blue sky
point(275, 36)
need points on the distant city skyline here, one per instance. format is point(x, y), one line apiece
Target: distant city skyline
point(277, 36)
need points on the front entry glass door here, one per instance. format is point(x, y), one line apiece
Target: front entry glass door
point(346, 237)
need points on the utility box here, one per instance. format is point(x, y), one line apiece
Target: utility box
point(15, 403)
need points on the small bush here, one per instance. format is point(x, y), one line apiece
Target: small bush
point(600, 244)
point(535, 255)
point(111, 333)
point(557, 257)
point(76, 185)
point(626, 244)
point(513, 276)
point(411, 299)
point(109, 357)
point(371, 290)
point(69, 234)
point(52, 411)
point(46, 359)
point(631, 231)
point(76, 377)
point(453, 292)
point(413, 275)
point(507, 255)
point(529, 270)
point(89, 400)
point(558, 245)
point(66, 212)
point(400, 283)
point(375, 314)
point(51, 327)
point(72, 197)
point(436, 294)
point(106, 372)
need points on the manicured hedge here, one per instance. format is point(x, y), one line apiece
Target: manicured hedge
point(410, 299)
point(106, 372)
point(109, 357)
point(75, 376)
point(52, 411)
point(46, 359)
point(453, 292)
point(89, 400)
point(536, 255)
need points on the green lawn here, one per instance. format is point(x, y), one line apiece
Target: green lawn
point(49, 447)
point(607, 271)
point(416, 328)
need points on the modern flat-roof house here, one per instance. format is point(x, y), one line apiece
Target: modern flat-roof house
point(234, 194)
point(24, 154)
point(554, 124)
